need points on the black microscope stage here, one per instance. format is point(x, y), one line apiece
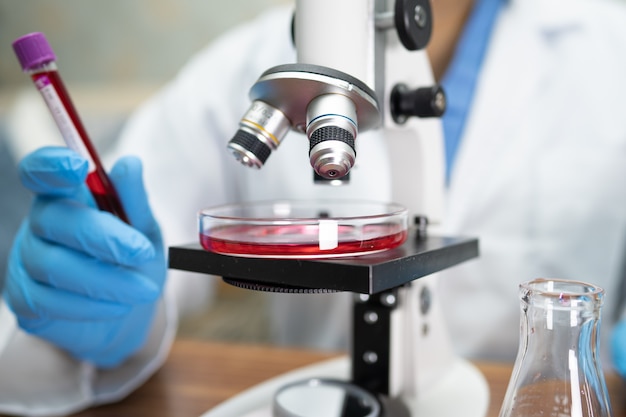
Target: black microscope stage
point(366, 274)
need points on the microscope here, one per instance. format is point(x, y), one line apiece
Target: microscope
point(361, 66)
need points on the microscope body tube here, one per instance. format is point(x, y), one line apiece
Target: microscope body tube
point(342, 35)
point(337, 34)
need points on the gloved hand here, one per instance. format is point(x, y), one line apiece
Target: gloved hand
point(618, 347)
point(80, 277)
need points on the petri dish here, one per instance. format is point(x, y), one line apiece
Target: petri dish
point(303, 229)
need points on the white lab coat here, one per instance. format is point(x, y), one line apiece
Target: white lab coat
point(538, 178)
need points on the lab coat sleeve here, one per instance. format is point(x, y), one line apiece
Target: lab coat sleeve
point(37, 379)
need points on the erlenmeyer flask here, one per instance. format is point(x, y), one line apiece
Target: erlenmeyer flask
point(557, 372)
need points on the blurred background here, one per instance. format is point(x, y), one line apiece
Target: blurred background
point(112, 55)
point(117, 42)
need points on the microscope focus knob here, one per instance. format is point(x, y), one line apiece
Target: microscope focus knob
point(421, 102)
point(414, 23)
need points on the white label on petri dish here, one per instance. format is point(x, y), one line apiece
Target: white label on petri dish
point(328, 234)
point(64, 122)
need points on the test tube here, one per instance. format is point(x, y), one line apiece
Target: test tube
point(39, 61)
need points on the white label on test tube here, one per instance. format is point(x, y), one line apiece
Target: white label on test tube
point(328, 234)
point(64, 122)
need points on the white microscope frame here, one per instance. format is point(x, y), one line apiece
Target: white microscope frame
point(346, 35)
point(354, 42)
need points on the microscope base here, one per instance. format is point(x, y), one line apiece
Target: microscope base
point(463, 391)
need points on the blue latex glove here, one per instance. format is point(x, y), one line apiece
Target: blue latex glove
point(618, 348)
point(80, 277)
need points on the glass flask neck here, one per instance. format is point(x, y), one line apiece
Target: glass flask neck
point(557, 370)
point(559, 316)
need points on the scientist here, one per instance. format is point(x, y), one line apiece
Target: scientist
point(536, 149)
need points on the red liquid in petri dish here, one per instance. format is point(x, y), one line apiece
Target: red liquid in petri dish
point(300, 241)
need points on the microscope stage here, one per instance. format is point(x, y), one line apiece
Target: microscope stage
point(366, 274)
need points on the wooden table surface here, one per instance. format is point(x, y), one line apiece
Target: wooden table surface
point(198, 375)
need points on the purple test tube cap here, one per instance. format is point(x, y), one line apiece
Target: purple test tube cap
point(33, 50)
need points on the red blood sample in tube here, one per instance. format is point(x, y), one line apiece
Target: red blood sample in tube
point(39, 61)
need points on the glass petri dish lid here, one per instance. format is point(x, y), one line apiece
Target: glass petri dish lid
point(303, 229)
